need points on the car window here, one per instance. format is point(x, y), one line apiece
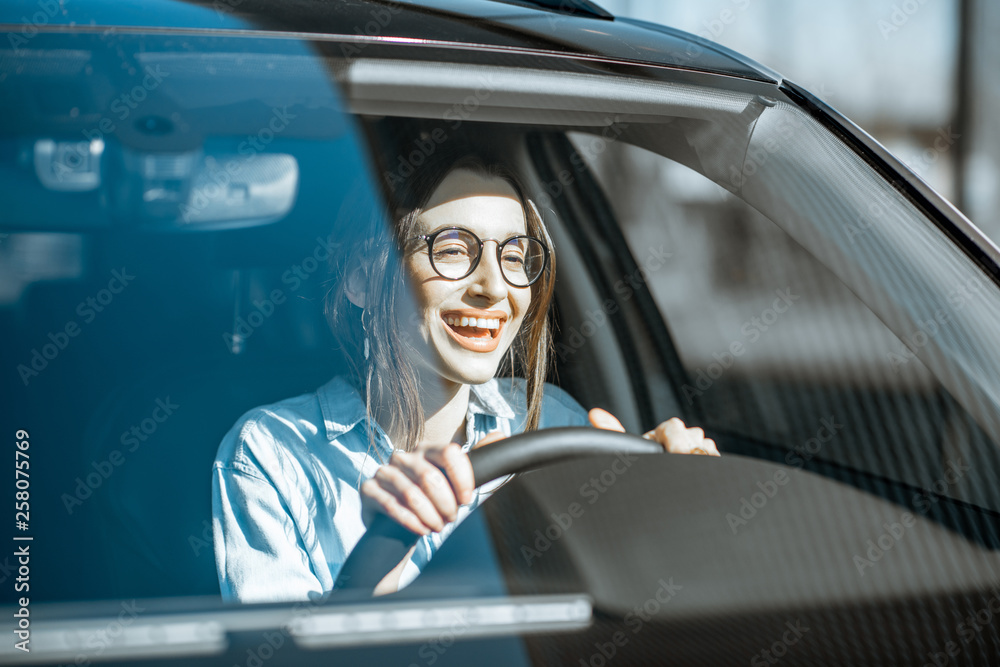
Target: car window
point(778, 352)
point(172, 204)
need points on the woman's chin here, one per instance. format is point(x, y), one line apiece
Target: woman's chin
point(472, 370)
point(473, 376)
point(464, 366)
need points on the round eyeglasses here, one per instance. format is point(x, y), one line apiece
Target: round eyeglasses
point(455, 253)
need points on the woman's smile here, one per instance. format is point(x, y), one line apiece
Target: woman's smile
point(474, 329)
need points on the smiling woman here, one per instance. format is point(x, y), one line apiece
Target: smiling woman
point(409, 335)
point(435, 312)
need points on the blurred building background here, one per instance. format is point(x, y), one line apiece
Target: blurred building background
point(921, 76)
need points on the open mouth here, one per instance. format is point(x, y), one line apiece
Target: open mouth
point(479, 334)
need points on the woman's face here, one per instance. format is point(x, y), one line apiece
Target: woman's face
point(468, 354)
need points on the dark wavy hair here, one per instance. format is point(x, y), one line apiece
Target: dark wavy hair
point(372, 249)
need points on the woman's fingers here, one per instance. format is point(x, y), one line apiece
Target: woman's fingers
point(677, 438)
point(431, 481)
point(672, 434)
point(375, 498)
point(601, 418)
point(410, 496)
point(421, 490)
point(455, 465)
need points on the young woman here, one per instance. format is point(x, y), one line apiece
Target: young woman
point(428, 315)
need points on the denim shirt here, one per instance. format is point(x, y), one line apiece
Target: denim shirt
point(286, 504)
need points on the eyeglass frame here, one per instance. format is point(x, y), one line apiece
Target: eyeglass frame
point(430, 238)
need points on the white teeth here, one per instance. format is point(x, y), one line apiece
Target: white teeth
point(478, 322)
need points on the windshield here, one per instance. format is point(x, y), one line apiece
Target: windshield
point(229, 265)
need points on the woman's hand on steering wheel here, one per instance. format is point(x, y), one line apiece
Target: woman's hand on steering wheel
point(675, 437)
point(415, 501)
point(422, 490)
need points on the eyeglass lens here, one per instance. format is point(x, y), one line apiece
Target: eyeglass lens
point(455, 252)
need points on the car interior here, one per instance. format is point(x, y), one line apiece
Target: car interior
point(188, 315)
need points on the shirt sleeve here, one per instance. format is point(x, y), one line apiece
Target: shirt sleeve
point(258, 553)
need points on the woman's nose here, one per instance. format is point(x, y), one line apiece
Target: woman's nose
point(488, 278)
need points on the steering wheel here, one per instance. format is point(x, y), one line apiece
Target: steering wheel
point(386, 542)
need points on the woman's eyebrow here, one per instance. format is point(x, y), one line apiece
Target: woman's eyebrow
point(506, 234)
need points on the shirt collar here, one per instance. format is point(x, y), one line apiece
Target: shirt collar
point(486, 399)
point(343, 408)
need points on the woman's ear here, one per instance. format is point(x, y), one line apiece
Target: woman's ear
point(356, 286)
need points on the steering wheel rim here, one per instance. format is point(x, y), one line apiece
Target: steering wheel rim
point(386, 542)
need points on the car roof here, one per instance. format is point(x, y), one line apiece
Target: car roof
point(567, 27)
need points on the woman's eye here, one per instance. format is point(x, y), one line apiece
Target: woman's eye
point(450, 253)
point(513, 259)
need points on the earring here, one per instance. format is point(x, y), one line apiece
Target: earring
point(365, 329)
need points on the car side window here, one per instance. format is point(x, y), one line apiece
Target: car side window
point(778, 353)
